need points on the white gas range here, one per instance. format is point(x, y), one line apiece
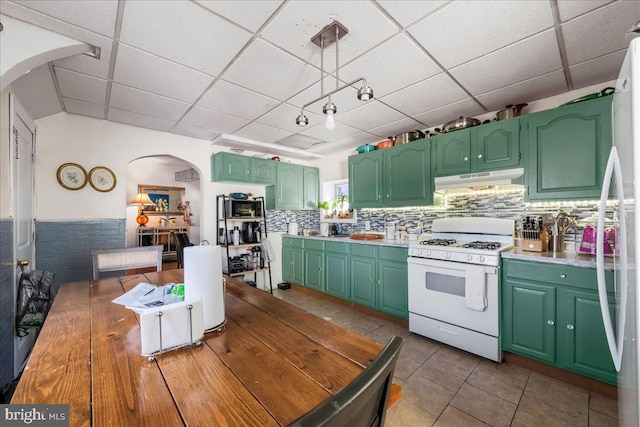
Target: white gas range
point(454, 283)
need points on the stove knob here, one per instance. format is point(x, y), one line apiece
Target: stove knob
point(481, 258)
point(419, 252)
point(470, 257)
point(448, 255)
point(428, 253)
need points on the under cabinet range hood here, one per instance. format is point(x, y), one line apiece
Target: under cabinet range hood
point(503, 177)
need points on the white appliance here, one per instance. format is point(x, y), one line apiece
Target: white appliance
point(623, 170)
point(480, 179)
point(454, 280)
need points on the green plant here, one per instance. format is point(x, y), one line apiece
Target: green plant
point(323, 205)
point(339, 200)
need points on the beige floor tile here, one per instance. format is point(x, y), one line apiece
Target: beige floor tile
point(448, 367)
point(499, 379)
point(406, 414)
point(406, 366)
point(603, 404)
point(565, 397)
point(426, 394)
point(598, 419)
point(533, 412)
point(484, 406)
point(452, 417)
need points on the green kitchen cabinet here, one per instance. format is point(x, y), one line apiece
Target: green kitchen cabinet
point(297, 187)
point(293, 260)
point(263, 171)
point(337, 270)
point(393, 286)
point(396, 176)
point(453, 153)
point(363, 275)
point(551, 313)
point(314, 267)
point(567, 150)
point(230, 167)
point(311, 187)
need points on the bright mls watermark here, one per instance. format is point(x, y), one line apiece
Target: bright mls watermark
point(34, 415)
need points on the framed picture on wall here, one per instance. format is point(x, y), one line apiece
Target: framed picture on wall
point(102, 179)
point(161, 201)
point(72, 176)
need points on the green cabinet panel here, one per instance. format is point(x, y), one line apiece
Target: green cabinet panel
point(263, 171)
point(363, 276)
point(453, 153)
point(230, 167)
point(288, 191)
point(407, 177)
point(293, 260)
point(568, 148)
point(365, 180)
point(337, 277)
point(393, 287)
point(314, 269)
point(529, 320)
point(311, 189)
point(497, 145)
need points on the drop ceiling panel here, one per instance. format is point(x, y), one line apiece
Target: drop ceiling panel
point(526, 91)
point(215, 120)
point(439, 116)
point(94, 15)
point(370, 115)
point(600, 32)
point(262, 133)
point(592, 72)
point(83, 108)
point(294, 26)
point(137, 101)
point(569, 9)
point(237, 101)
point(151, 73)
point(520, 61)
point(408, 12)
point(393, 65)
point(345, 144)
point(284, 117)
point(182, 32)
point(248, 14)
point(392, 129)
point(272, 72)
point(299, 141)
point(139, 120)
point(332, 148)
point(194, 131)
point(426, 95)
point(462, 31)
point(80, 86)
point(90, 65)
point(36, 93)
point(319, 131)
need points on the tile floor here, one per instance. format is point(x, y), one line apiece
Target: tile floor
point(444, 386)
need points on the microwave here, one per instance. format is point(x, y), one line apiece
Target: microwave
point(243, 208)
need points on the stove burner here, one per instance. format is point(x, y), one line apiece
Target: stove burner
point(439, 242)
point(491, 246)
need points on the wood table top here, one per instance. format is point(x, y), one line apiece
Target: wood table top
point(273, 362)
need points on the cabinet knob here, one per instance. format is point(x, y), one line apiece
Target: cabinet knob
point(550, 322)
point(479, 156)
point(570, 327)
point(387, 195)
point(378, 281)
point(563, 276)
point(466, 159)
point(379, 196)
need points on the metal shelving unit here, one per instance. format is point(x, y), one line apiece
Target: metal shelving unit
point(229, 248)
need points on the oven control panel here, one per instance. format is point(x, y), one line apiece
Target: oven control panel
point(478, 257)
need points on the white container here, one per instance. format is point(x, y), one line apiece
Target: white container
point(236, 236)
point(292, 230)
point(324, 229)
point(390, 229)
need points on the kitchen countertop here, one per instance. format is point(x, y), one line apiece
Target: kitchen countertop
point(382, 242)
point(566, 258)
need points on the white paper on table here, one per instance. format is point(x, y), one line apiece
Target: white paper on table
point(134, 294)
point(175, 326)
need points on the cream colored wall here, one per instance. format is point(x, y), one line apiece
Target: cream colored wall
point(5, 157)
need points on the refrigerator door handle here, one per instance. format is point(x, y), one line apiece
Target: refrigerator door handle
point(615, 339)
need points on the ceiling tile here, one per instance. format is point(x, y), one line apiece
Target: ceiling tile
point(237, 101)
point(408, 12)
point(86, 64)
point(464, 30)
point(80, 86)
point(294, 26)
point(597, 70)
point(528, 58)
point(329, 148)
point(36, 92)
point(248, 14)
point(284, 117)
point(369, 115)
point(526, 91)
point(600, 32)
point(426, 95)
point(439, 116)
point(182, 32)
point(348, 143)
point(194, 131)
point(393, 65)
point(215, 120)
point(94, 15)
point(273, 72)
point(139, 120)
point(299, 141)
point(262, 133)
point(153, 74)
point(392, 129)
point(319, 131)
point(569, 9)
point(137, 101)
point(83, 108)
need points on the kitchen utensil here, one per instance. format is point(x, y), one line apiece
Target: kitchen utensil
point(604, 92)
point(385, 144)
point(461, 123)
point(407, 137)
point(365, 148)
point(367, 236)
point(510, 111)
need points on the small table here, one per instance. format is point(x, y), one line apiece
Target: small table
point(273, 363)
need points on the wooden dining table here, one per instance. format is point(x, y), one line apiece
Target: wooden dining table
point(272, 362)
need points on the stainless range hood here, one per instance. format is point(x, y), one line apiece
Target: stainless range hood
point(480, 179)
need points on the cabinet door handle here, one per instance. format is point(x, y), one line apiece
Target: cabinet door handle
point(550, 322)
point(479, 156)
point(563, 276)
point(570, 327)
point(466, 159)
point(378, 281)
point(387, 195)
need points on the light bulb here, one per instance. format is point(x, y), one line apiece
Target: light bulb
point(330, 123)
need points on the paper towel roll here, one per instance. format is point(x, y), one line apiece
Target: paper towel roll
point(203, 279)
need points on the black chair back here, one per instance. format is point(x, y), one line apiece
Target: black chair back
point(363, 402)
point(181, 241)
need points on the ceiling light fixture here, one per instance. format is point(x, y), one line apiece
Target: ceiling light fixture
point(329, 34)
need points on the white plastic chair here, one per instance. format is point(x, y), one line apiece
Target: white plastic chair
point(126, 259)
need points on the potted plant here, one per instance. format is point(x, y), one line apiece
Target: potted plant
point(338, 203)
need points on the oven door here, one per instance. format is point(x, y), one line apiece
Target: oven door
point(437, 291)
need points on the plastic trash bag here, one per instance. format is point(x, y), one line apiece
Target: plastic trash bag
point(34, 300)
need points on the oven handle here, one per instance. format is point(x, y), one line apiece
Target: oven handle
point(424, 262)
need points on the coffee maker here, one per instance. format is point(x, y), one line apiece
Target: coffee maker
point(251, 232)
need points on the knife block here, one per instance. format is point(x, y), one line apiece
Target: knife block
point(541, 244)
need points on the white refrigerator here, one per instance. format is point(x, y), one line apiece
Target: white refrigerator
point(622, 172)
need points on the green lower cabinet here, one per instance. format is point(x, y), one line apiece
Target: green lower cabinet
point(337, 270)
point(363, 286)
point(393, 288)
point(293, 260)
point(314, 270)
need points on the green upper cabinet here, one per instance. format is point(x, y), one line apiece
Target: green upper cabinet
point(496, 145)
point(297, 187)
point(311, 187)
point(237, 168)
point(397, 176)
point(568, 148)
point(453, 153)
point(365, 180)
